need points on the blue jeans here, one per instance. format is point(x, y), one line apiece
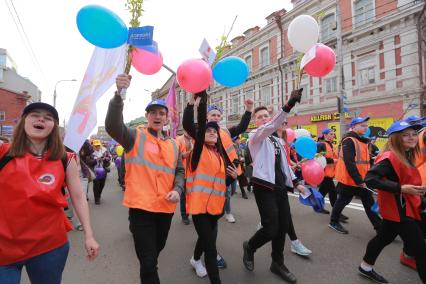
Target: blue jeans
point(230, 190)
point(46, 268)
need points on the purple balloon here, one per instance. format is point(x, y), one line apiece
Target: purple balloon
point(100, 173)
point(118, 162)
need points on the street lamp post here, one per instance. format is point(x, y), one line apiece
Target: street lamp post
point(54, 93)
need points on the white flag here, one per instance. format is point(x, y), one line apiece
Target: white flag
point(207, 52)
point(104, 66)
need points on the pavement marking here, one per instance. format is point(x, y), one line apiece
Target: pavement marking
point(352, 205)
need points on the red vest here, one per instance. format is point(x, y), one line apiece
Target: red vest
point(406, 175)
point(32, 218)
point(421, 159)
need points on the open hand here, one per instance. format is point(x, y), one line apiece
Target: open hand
point(232, 171)
point(413, 189)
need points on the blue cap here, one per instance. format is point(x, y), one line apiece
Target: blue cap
point(400, 126)
point(316, 200)
point(326, 131)
point(413, 119)
point(357, 120)
point(213, 107)
point(161, 103)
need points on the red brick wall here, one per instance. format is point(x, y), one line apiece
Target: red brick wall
point(346, 19)
point(13, 104)
point(385, 7)
point(273, 49)
point(288, 50)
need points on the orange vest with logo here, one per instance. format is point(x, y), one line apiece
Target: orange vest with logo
point(362, 162)
point(206, 186)
point(406, 175)
point(330, 152)
point(32, 218)
point(150, 173)
point(227, 143)
point(421, 159)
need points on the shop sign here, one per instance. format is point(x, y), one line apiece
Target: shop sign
point(329, 116)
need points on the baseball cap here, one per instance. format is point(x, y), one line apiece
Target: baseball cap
point(326, 131)
point(357, 120)
point(400, 126)
point(213, 107)
point(97, 143)
point(213, 125)
point(161, 103)
point(413, 119)
point(39, 105)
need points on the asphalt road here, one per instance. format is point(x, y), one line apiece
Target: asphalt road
point(335, 257)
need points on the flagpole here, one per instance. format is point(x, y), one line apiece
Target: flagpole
point(169, 69)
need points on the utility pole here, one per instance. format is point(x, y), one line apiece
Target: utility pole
point(342, 107)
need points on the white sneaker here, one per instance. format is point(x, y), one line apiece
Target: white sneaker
point(199, 268)
point(230, 218)
point(300, 249)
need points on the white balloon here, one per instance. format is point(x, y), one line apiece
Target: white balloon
point(322, 161)
point(303, 33)
point(302, 133)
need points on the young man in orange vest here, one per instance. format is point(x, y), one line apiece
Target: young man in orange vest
point(185, 144)
point(214, 114)
point(154, 178)
point(351, 168)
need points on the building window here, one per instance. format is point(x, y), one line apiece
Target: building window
point(363, 11)
point(2, 115)
point(367, 76)
point(328, 27)
point(264, 57)
point(235, 104)
point(249, 61)
point(304, 93)
point(266, 95)
point(330, 85)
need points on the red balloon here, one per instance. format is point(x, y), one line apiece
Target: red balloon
point(194, 75)
point(146, 62)
point(291, 135)
point(312, 172)
point(323, 63)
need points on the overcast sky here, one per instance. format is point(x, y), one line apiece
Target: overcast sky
point(179, 28)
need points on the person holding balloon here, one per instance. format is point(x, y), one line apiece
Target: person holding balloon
point(400, 194)
point(271, 178)
point(154, 178)
point(351, 168)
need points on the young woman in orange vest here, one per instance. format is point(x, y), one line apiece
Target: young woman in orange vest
point(208, 173)
point(154, 178)
point(272, 177)
point(215, 114)
point(327, 186)
point(398, 182)
point(33, 171)
point(352, 166)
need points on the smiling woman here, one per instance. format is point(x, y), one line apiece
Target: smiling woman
point(33, 170)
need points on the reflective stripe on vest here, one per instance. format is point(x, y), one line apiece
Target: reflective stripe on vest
point(205, 189)
point(227, 143)
point(205, 177)
point(331, 154)
point(358, 154)
point(143, 162)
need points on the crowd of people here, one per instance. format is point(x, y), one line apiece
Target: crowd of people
point(200, 170)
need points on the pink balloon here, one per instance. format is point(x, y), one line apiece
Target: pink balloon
point(312, 172)
point(194, 75)
point(146, 62)
point(291, 135)
point(323, 63)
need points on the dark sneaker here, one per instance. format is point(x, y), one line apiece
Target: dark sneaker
point(372, 275)
point(343, 220)
point(245, 196)
point(186, 221)
point(338, 227)
point(221, 263)
point(282, 271)
point(248, 257)
point(324, 211)
point(343, 217)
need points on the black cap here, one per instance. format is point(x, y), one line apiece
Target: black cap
point(213, 125)
point(39, 105)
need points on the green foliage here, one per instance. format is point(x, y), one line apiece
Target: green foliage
point(135, 8)
point(318, 16)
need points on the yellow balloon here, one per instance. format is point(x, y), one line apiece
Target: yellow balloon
point(119, 150)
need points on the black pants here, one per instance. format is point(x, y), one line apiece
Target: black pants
point(98, 186)
point(150, 231)
point(183, 204)
point(274, 212)
point(410, 233)
point(242, 181)
point(120, 176)
point(327, 186)
point(346, 193)
point(206, 227)
point(291, 231)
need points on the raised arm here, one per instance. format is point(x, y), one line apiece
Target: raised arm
point(245, 120)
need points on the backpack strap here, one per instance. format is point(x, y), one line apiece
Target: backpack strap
point(4, 160)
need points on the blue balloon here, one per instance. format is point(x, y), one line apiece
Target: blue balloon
point(367, 133)
point(231, 71)
point(101, 27)
point(306, 147)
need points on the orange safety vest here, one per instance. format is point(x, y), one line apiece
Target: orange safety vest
point(386, 200)
point(330, 152)
point(227, 143)
point(32, 218)
point(182, 145)
point(421, 159)
point(150, 173)
point(206, 186)
point(362, 161)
